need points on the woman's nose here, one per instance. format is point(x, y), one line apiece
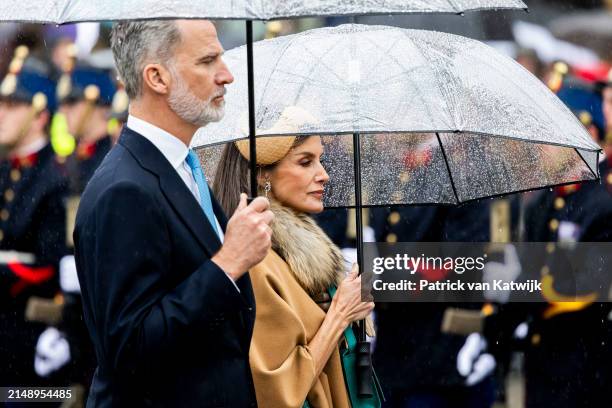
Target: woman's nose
point(322, 176)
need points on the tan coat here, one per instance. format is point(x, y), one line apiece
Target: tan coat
point(287, 319)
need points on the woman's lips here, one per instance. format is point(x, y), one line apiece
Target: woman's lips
point(318, 194)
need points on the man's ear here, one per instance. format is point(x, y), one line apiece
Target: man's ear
point(157, 78)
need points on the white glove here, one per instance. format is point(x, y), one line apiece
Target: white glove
point(507, 271)
point(350, 258)
point(521, 331)
point(472, 362)
point(350, 254)
point(52, 352)
point(69, 280)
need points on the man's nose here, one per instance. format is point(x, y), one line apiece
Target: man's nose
point(225, 76)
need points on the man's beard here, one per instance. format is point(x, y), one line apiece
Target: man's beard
point(192, 109)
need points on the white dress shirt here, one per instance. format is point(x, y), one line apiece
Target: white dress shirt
point(175, 151)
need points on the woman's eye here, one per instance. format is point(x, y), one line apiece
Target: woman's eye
point(305, 163)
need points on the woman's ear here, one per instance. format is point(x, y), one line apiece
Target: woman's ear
point(157, 78)
point(262, 177)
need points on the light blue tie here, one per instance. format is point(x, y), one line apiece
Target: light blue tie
point(205, 200)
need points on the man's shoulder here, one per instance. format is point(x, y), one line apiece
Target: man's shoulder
point(119, 166)
point(119, 176)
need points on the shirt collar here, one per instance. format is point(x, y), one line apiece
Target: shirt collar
point(173, 149)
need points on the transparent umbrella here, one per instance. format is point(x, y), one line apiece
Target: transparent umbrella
point(440, 118)
point(407, 116)
point(70, 11)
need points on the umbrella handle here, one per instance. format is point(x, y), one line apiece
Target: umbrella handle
point(364, 370)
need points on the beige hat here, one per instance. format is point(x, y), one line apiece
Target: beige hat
point(272, 149)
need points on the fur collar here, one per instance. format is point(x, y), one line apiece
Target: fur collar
point(312, 257)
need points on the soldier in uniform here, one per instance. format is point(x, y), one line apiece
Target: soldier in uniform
point(32, 213)
point(416, 361)
point(568, 358)
point(85, 96)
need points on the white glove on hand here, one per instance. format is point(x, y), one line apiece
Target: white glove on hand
point(472, 362)
point(507, 271)
point(521, 331)
point(69, 280)
point(52, 352)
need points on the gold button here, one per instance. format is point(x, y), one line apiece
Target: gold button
point(553, 224)
point(609, 178)
point(545, 270)
point(4, 214)
point(15, 175)
point(536, 339)
point(550, 248)
point(394, 218)
point(391, 238)
point(1, 235)
point(405, 177)
point(559, 203)
point(9, 195)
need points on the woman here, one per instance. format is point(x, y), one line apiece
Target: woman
point(294, 350)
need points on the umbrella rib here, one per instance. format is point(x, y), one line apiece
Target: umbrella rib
point(450, 175)
point(447, 102)
point(308, 78)
point(454, 5)
point(384, 54)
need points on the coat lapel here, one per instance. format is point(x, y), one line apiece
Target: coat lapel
point(174, 189)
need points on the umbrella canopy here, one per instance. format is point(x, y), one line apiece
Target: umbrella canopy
point(442, 118)
point(63, 11)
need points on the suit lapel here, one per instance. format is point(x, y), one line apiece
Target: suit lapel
point(174, 189)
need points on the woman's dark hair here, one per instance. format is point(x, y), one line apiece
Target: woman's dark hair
point(232, 176)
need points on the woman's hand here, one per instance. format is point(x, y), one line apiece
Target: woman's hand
point(347, 304)
point(346, 307)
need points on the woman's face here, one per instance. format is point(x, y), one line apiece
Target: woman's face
point(298, 179)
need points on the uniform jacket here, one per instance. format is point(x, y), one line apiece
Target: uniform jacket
point(569, 354)
point(32, 221)
point(168, 326)
point(302, 263)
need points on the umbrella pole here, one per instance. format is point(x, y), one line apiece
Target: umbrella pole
point(251, 87)
point(364, 359)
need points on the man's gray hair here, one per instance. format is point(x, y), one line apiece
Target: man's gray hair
point(138, 43)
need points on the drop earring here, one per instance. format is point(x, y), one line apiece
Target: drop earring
point(267, 188)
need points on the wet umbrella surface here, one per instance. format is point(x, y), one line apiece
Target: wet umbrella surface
point(442, 118)
point(62, 11)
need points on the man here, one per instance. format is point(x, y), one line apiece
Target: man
point(32, 193)
point(567, 356)
point(429, 374)
point(84, 95)
point(85, 99)
point(167, 299)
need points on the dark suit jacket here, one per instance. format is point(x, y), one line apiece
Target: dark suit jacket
point(168, 326)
